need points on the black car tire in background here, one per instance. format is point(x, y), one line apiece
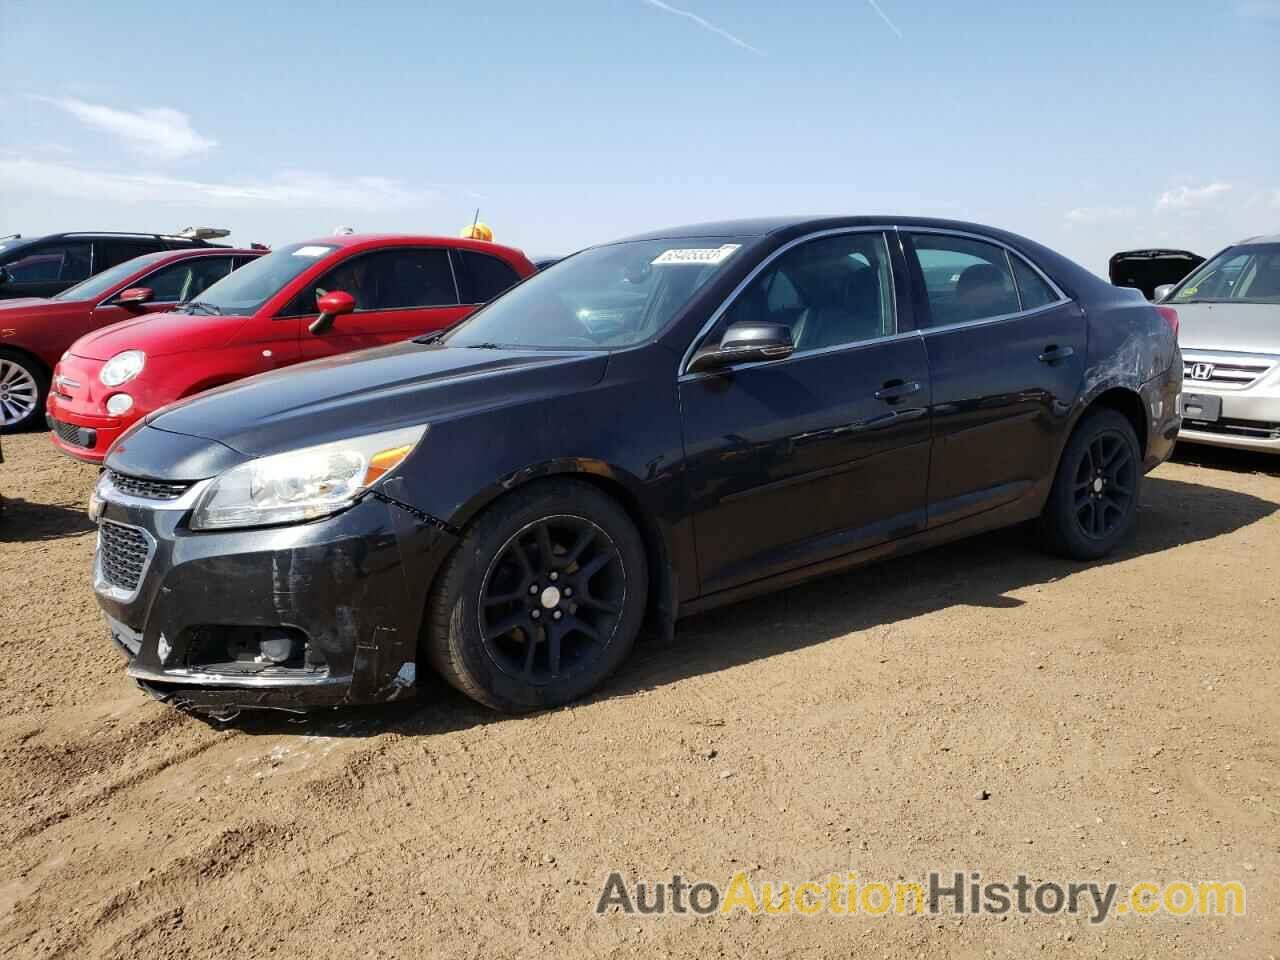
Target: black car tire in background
point(558, 563)
point(24, 387)
point(1094, 500)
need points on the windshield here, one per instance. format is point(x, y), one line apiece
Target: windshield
point(602, 298)
point(1249, 273)
point(100, 283)
point(245, 290)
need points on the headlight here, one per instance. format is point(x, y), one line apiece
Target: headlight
point(302, 484)
point(122, 368)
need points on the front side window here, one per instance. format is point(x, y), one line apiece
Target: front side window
point(394, 279)
point(482, 277)
point(964, 279)
point(186, 279)
point(829, 292)
point(50, 263)
point(244, 291)
point(603, 298)
point(1244, 274)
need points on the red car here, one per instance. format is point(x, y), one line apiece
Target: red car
point(302, 302)
point(34, 332)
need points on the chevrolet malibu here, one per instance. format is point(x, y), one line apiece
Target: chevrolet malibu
point(303, 301)
point(646, 429)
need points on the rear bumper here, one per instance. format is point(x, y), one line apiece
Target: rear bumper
point(1160, 397)
point(337, 587)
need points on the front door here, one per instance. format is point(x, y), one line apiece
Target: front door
point(170, 286)
point(796, 461)
point(400, 292)
point(1006, 358)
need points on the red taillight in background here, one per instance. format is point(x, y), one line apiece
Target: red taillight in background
point(1171, 318)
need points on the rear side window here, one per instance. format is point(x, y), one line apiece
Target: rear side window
point(54, 262)
point(396, 279)
point(1035, 293)
point(482, 277)
point(965, 280)
point(111, 252)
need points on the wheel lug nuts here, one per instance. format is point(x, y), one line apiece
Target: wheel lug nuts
point(555, 577)
point(536, 614)
point(533, 590)
point(568, 591)
point(557, 615)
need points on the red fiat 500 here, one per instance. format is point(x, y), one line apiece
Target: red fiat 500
point(302, 302)
point(34, 331)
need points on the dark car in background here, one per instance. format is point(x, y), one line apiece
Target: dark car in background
point(644, 430)
point(1146, 270)
point(36, 331)
point(47, 265)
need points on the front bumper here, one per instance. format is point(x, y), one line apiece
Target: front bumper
point(79, 424)
point(339, 587)
point(1249, 415)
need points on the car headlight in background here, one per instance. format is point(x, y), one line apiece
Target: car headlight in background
point(118, 404)
point(302, 484)
point(122, 368)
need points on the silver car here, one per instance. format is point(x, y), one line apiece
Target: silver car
point(1229, 316)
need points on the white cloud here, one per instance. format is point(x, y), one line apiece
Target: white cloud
point(290, 188)
point(885, 17)
point(704, 24)
point(1259, 10)
point(1186, 199)
point(158, 132)
point(1102, 214)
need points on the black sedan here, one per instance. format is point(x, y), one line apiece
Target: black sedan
point(646, 429)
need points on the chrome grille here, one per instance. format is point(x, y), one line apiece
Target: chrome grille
point(147, 489)
point(1226, 373)
point(122, 555)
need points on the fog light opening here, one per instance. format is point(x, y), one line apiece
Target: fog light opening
point(119, 404)
point(277, 646)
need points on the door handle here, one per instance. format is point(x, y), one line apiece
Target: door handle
point(894, 390)
point(1053, 353)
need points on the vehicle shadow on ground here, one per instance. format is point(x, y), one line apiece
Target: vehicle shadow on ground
point(1227, 458)
point(980, 571)
point(24, 522)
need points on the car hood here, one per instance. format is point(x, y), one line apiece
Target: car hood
point(159, 334)
point(1238, 327)
point(381, 389)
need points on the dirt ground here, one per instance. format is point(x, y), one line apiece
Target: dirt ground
point(1123, 719)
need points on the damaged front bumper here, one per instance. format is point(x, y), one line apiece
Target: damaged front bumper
point(319, 614)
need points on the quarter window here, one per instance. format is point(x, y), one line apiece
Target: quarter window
point(1032, 289)
point(482, 277)
point(964, 279)
point(396, 279)
point(830, 292)
point(111, 252)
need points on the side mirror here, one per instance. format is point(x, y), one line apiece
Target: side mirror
point(135, 296)
point(745, 343)
point(332, 305)
point(1162, 291)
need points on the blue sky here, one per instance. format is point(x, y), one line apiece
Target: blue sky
point(1089, 126)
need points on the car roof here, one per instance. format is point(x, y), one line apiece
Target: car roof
point(1265, 238)
point(767, 226)
point(349, 240)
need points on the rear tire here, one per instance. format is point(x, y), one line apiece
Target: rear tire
point(541, 599)
point(24, 387)
point(1094, 500)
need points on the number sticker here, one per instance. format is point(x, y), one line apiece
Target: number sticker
point(698, 255)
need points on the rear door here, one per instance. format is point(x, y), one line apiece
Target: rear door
point(481, 276)
point(796, 461)
point(1006, 358)
point(400, 292)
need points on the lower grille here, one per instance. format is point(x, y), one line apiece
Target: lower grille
point(123, 554)
point(1259, 429)
point(147, 489)
point(70, 433)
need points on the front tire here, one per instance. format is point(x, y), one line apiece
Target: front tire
point(541, 599)
point(1094, 500)
point(23, 389)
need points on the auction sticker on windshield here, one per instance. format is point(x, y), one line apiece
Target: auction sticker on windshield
point(702, 255)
